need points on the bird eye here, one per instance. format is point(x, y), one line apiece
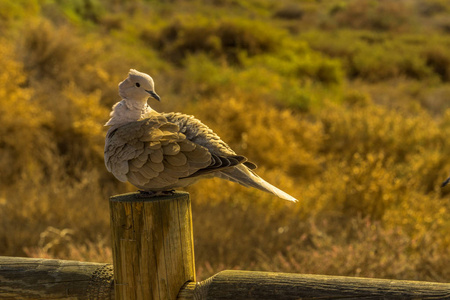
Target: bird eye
point(137, 84)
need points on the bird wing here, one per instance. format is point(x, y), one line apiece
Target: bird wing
point(154, 153)
point(222, 155)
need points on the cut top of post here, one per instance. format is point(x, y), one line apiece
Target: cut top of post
point(139, 197)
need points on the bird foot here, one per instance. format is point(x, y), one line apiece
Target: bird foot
point(151, 194)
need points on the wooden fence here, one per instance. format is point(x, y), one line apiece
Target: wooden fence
point(153, 258)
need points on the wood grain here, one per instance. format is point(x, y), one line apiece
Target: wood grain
point(37, 278)
point(153, 247)
point(239, 285)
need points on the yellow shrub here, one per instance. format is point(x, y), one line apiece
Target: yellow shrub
point(21, 120)
point(274, 138)
point(87, 116)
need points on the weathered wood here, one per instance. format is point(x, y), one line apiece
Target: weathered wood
point(239, 285)
point(37, 278)
point(153, 247)
point(187, 291)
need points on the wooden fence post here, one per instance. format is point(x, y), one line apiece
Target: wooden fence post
point(153, 247)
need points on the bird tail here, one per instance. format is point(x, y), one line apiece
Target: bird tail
point(246, 177)
point(445, 182)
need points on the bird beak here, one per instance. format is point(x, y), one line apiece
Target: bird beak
point(154, 95)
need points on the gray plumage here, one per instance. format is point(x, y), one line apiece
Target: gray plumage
point(163, 151)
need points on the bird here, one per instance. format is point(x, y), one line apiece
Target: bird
point(160, 152)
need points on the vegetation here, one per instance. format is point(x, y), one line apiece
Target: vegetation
point(343, 104)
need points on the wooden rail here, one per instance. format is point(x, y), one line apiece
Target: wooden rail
point(154, 259)
point(240, 285)
point(36, 278)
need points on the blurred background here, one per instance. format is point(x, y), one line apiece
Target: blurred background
point(344, 104)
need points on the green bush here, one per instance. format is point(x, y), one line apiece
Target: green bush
point(220, 38)
point(381, 15)
point(438, 59)
point(378, 57)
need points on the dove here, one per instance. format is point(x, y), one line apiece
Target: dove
point(159, 152)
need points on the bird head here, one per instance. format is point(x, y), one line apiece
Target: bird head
point(137, 86)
